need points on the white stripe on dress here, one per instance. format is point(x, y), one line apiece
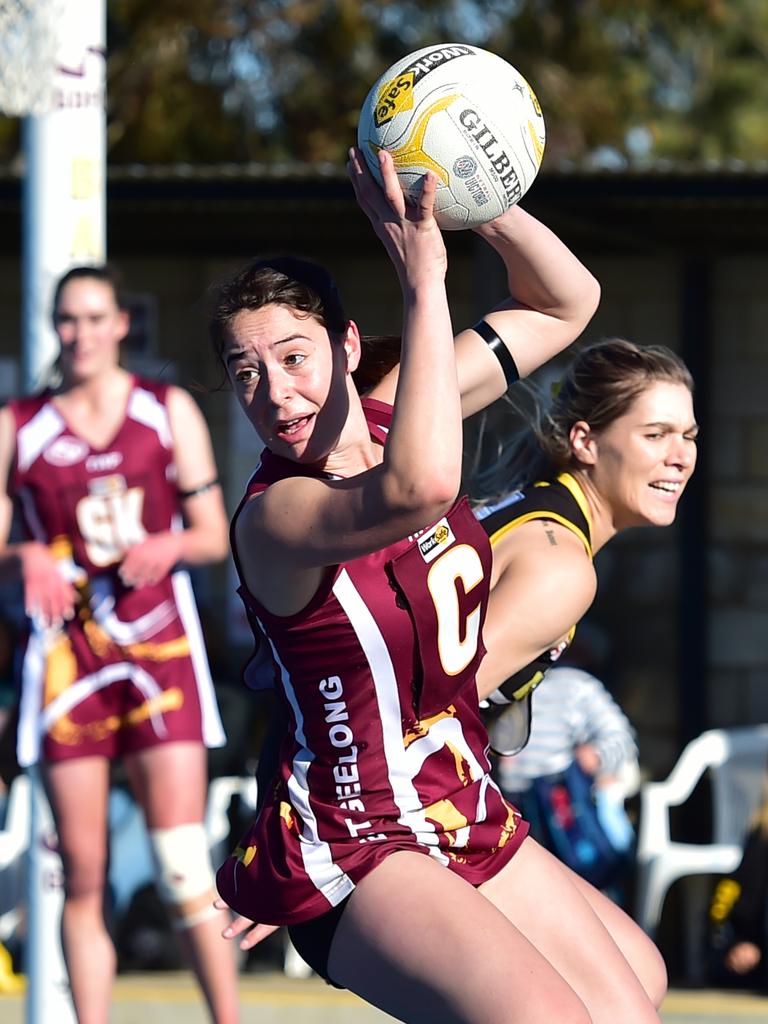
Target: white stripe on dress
point(382, 670)
point(82, 688)
point(326, 876)
point(144, 407)
point(35, 435)
point(213, 730)
point(449, 732)
point(32, 678)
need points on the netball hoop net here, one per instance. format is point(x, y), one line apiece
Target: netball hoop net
point(29, 49)
point(53, 74)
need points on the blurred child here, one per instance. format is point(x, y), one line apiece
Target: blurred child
point(738, 912)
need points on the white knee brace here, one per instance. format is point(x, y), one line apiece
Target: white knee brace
point(183, 872)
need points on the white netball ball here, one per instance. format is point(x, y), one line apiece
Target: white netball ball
point(465, 114)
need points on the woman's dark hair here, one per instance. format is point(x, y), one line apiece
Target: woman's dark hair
point(282, 280)
point(107, 273)
point(378, 355)
point(304, 286)
point(599, 386)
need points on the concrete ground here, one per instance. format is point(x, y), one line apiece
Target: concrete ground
point(270, 998)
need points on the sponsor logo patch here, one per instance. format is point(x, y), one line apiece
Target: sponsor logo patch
point(436, 540)
point(103, 462)
point(105, 486)
point(396, 94)
point(66, 451)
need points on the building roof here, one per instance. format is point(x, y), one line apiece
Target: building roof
point(703, 207)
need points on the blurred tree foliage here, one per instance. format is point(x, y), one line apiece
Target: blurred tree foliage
point(621, 82)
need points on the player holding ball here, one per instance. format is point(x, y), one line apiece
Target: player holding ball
point(382, 841)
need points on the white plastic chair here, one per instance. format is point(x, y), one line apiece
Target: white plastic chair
point(220, 794)
point(221, 791)
point(736, 760)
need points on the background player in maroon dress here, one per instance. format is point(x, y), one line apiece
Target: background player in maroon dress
point(115, 481)
point(384, 844)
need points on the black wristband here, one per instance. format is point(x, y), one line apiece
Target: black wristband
point(199, 490)
point(500, 350)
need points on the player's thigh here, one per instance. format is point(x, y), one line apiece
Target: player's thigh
point(170, 782)
point(538, 894)
point(423, 945)
point(641, 953)
point(78, 791)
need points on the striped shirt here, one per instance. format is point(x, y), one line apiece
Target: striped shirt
point(570, 708)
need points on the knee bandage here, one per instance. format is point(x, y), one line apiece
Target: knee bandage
point(184, 873)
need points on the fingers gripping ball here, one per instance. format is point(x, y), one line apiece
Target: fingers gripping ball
point(465, 114)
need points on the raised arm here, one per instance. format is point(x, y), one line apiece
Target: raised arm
point(552, 297)
point(427, 395)
point(205, 534)
point(304, 523)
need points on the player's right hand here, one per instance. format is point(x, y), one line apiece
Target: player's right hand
point(49, 599)
point(407, 227)
point(256, 933)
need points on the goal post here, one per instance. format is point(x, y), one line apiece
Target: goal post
point(53, 58)
point(53, 75)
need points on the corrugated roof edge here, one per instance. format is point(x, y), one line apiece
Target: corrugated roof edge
point(255, 171)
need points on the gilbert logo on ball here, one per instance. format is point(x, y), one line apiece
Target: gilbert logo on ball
point(465, 114)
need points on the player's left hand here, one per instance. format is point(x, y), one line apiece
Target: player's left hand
point(150, 560)
point(255, 933)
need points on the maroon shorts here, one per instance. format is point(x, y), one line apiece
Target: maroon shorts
point(84, 697)
point(138, 707)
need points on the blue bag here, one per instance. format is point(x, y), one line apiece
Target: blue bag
point(563, 816)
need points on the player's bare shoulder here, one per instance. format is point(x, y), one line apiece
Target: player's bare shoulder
point(541, 539)
point(182, 406)
point(274, 522)
point(544, 549)
point(269, 547)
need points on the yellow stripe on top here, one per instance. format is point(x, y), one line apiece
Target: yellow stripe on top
point(575, 490)
point(581, 500)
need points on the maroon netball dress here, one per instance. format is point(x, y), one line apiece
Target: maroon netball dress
point(386, 749)
point(130, 670)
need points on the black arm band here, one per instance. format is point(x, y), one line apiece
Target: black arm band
point(199, 490)
point(500, 350)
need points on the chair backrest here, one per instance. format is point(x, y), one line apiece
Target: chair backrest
point(14, 836)
point(739, 781)
point(220, 794)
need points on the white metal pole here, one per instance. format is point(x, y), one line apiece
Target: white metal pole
point(48, 992)
point(64, 194)
point(63, 224)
